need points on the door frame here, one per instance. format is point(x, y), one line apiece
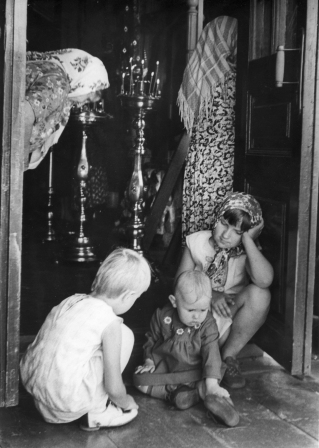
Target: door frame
point(12, 130)
point(13, 60)
point(308, 202)
point(295, 331)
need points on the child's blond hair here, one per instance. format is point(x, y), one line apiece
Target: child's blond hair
point(196, 282)
point(123, 270)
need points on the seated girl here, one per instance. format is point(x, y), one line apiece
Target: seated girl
point(240, 275)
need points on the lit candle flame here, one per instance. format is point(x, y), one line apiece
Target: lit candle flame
point(156, 89)
point(142, 70)
point(150, 88)
point(122, 86)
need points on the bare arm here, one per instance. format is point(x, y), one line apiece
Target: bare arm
point(114, 386)
point(186, 264)
point(258, 267)
point(153, 335)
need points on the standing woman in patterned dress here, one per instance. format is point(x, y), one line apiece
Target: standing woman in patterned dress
point(206, 102)
point(55, 81)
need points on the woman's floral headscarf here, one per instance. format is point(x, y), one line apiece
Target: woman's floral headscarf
point(217, 270)
point(85, 73)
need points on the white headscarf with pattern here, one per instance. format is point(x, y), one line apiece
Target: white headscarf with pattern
point(86, 74)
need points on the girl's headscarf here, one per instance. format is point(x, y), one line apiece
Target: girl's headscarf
point(212, 61)
point(85, 73)
point(217, 270)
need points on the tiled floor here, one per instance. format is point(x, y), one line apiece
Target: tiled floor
point(276, 410)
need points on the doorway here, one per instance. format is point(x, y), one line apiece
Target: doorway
point(295, 322)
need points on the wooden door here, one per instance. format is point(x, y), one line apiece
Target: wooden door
point(273, 162)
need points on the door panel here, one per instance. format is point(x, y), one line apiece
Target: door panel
point(272, 160)
point(268, 163)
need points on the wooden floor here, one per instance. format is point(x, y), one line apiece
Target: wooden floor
point(276, 410)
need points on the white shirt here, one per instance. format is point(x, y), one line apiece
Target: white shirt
point(203, 252)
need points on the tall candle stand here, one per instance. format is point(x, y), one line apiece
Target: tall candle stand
point(81, 249)
point(50, 233)
point(138, 104)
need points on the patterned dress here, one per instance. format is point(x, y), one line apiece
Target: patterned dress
point(178, 350)
point(175, 347)
point(210, 161)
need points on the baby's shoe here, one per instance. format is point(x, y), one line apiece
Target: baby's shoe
point(222, 409)
point(184, 397)
point(112, 416)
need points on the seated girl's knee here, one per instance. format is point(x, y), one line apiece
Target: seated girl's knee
point(264, 294)
point(263, 299)
point(260, 297)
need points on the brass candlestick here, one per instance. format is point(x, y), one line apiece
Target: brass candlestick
point(81, 248)
point(138, 105)
point(50, 233)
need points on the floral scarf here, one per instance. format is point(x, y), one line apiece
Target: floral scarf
point(85, 73)
point(218, 268)
point(210, 65)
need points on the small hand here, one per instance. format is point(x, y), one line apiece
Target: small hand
point(217, 390)
point(254, 232)
point(221, 306)
point(148, 366)
point(213, 388)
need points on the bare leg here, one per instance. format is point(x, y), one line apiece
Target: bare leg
point(249, 313)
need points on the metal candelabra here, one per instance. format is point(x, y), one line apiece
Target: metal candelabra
point(138, 104)
point(81, 248)
point(50, 233)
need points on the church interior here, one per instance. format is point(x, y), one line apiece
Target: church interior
point(276, 408)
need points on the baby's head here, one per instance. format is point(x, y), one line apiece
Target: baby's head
point(192, 297)
point(123, 273)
